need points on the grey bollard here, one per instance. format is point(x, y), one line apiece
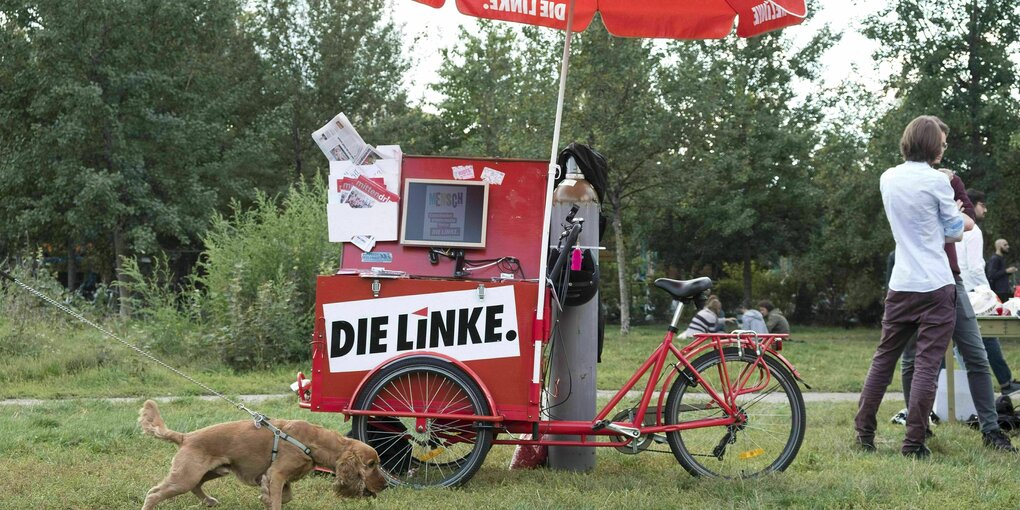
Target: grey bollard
point(574, 355)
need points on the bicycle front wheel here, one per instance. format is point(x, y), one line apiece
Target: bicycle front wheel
point(769, 404)
point(431, 452)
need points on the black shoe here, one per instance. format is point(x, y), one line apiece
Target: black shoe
point(996, 440)
point(1010, 388)
point(920, 453)
point(866, 445)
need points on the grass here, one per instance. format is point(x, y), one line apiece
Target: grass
point(50, 357)
point(68, 455)
point(88, 454)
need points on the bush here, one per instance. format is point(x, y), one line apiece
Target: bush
point(168, 313)
point(258, 272)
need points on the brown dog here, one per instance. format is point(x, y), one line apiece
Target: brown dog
point(241, 448)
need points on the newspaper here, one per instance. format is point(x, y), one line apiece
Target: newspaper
point(339, 141)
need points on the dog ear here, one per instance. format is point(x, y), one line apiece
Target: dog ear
point(349, 480)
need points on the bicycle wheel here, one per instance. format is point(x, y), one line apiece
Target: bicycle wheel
point(441, 452)
point(767, 440)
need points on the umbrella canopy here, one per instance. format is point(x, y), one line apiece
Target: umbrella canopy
point(672, 19)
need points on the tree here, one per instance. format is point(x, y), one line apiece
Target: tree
point(954, 61)
point(498, 93)
point(324, 57)
point(132, 107)
point(744, 167)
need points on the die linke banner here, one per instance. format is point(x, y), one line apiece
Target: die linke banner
point(674, 19)
point(360, 335)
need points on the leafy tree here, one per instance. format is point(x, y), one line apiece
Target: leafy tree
point(498, 93)
point(744, 167)
point(131, 110)
point(323, 57)
point(955, 61)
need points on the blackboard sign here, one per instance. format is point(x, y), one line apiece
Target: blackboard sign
point(444, 213)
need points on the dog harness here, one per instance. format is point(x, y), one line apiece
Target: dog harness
point(262, 421)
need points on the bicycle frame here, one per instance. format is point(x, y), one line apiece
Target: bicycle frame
point(725, 398)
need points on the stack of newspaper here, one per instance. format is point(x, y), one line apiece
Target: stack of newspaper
point(339, 141)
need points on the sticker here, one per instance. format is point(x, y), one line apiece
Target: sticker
point(464, 172)
point(360, 335)
point(492, 176)
point(383, 257)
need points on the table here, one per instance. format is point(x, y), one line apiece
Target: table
point(991, 326)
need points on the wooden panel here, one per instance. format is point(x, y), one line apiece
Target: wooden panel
point(999, 326)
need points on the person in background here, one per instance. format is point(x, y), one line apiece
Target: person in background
point(706, 320)
point(750, 320)
point(997, 272)
point(923, 216)
point(774, 319)
point(970, 253)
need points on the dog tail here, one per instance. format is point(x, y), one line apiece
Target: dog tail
point(152, 424)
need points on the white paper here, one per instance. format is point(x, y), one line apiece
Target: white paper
point(492, 176)
point(339, 141)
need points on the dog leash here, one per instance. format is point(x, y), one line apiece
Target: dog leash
point(259, 418)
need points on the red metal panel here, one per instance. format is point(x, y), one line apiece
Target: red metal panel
point(507, 379)
point(514, 218)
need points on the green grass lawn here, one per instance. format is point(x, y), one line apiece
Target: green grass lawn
point(55, 358)
point(89, 454)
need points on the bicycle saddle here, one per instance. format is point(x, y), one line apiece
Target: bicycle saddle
point(683, 289)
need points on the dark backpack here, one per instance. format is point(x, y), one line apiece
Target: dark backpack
point(1008, 417)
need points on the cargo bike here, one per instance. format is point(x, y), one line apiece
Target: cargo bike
point(727, 405)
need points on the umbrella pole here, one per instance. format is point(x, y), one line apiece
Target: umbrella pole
point(539, 329)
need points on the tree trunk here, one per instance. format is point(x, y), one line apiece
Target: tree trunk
point(119, 253)
point(747, 275)
point(621, 270)
point(72, 268)
point(296, 136)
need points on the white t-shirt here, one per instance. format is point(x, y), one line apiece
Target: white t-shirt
point(922, 214)
point(970, 256)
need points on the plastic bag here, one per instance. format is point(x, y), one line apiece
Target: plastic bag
point(983, 300)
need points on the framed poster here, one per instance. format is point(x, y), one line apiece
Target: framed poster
point(444, 213)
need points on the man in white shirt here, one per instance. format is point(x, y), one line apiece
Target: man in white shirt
point(971, 255)
point(922, 295)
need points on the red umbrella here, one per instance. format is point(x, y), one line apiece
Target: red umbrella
point(673, 19)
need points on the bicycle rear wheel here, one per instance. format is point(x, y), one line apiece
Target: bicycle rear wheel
point(769, 438)
point(430, 452)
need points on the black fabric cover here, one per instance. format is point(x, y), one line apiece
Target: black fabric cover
point(595, 169)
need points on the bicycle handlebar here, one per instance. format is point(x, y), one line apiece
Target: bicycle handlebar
point(567, 239)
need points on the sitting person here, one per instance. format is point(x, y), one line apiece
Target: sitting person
point(706, 320)
point(751, 320)
point(774, 320)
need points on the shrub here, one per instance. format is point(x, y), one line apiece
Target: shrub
point(168, 313)
point(258, 273)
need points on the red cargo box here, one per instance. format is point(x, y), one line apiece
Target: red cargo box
point(486, 326)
